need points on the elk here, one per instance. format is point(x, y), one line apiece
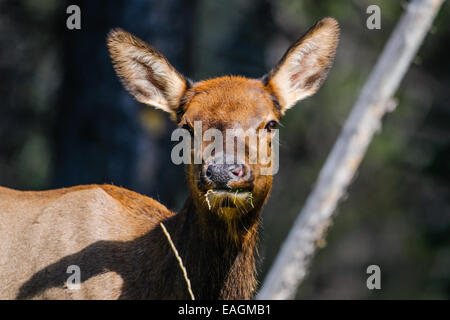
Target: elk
point(113, 235)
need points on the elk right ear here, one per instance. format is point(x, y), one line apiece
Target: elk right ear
point(145, 72)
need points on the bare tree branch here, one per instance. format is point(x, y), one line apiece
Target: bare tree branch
point(375, 100)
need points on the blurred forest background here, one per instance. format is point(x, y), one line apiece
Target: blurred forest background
point(66, 120)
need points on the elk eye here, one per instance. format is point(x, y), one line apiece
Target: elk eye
point(271, 125)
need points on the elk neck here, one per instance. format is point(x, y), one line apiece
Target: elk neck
point(219, 255)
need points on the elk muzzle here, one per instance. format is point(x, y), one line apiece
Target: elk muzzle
point(220, 175)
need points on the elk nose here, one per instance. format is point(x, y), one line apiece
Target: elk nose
point(222, 174)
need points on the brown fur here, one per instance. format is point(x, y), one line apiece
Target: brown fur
point(113, 234)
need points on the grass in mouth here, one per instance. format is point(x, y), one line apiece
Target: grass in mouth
point(235, 195)
point(250, 197)
point(207, 199)
point(211, 191)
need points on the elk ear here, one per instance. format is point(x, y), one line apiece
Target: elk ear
point(305, 64)
point(145, 72)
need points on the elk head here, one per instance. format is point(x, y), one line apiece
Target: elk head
point(229, 189)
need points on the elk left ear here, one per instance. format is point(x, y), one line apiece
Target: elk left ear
point(305, 65)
